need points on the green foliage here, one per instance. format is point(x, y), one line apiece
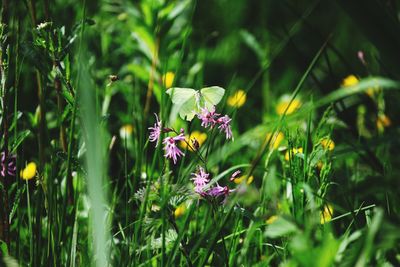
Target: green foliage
point(313, 99)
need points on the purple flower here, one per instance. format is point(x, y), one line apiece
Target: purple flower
point(208, 117)
point(218, 190)
point(201, 185)
point(8, 166)
point(155, 131)
point(225, 125)
point(200, 180)
point(171, 150)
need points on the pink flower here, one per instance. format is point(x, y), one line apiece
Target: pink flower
point(208, 117)
point(225, 125)
point(155, 131)
point(234, 175)
point(171, 149)
point(200, 180)
point(218, 190)
point(8, 166)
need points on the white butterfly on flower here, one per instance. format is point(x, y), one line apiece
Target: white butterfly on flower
point(189, 101)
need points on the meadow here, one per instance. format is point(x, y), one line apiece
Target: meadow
point(199, 133)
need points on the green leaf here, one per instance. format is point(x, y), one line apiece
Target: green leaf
point(280, 227)
point(254, 45)
point(20, 138)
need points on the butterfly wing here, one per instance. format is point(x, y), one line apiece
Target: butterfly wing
point(212, 95)
point(189, 109)
point(184, 100)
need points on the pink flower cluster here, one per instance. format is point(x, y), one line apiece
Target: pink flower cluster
point(201, 180)
point(171, 150)
point(209, 118)
point(170, 147)
point(7, 165)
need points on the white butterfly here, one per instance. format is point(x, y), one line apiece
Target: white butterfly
point(189, 101)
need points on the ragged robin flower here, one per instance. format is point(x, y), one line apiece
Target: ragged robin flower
point(171, 149)
point(225, 126)
point(8, 167)
point(237, 99)
point(155, 131)
point(200, 180)
point(208, 117)
point(218, 190)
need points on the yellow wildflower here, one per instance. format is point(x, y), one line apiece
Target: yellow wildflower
point(271, 219)
point(180, 210)
point(239, 180)
point(284, 103)
point(382, 122)
point(168, 79)
point(294, 152)
point(29, 172)
point(326, 214)
point(327, 143)
point(320, 164)
point(195, 135)
point(350, 81)
point(372, 91)
point(275, 140)
point(125, 131)
point(237, 99)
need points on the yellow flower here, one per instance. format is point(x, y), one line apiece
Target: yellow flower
point(327, 143)
point(180, 210)
point(126, 131)
point(168, 79)
point(372, 91)
point(284, 103)
point(275, 140)
point(320, 164)
point(350, 81)
point(195, 135)
point(29, 172)
point(271, 219)
point(237, 99)
point(326, 214)
point(294, 152)
point(240, 179)
point(382, 122)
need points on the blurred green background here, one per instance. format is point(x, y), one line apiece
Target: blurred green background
point(82, 80)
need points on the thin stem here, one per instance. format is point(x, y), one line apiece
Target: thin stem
point(193, 149)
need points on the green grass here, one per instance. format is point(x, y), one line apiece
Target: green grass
point(81, 80)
